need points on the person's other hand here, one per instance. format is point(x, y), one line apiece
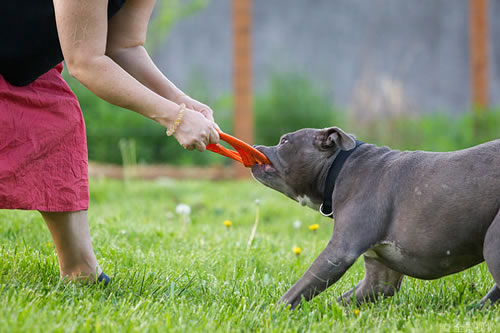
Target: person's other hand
point(195, 131)
point(193, 104)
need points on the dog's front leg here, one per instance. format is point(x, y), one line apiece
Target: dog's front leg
point(328, 267)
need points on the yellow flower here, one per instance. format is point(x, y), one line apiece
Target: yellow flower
point(314, 227)
point(296, 250)
point(356, 312)
point(228, 223)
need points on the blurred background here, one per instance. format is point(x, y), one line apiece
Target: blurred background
point(403, 73)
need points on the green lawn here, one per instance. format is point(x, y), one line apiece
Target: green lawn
point(204, 278)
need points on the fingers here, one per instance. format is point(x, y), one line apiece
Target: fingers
point(207, 113)
point(213, 136)
point(201, 146)
point(196, 132)
point(191, 103)
point(203, 140)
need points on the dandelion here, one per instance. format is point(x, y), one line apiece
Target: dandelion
point(183, 209)
point(49, 244)
point(296, 250)
point(314, 227)
point(228, 223)
point(297, 224)
point(356, 312)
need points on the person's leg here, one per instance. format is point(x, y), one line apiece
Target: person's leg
point(70, 232)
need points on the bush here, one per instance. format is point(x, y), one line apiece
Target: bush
point(434, 132)
point(107, 125)
point(292, 103)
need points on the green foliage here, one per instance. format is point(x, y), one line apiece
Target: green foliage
point(206, 280)
point(291, 103)
point(434, 132)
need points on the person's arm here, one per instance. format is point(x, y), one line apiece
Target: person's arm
point(82, 28)
point(125, 45)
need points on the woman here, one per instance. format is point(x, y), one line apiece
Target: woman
point(43, 154)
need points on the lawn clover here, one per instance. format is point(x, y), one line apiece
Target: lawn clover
point(228, 223)
point(296, 250)
point(297, 224)
point(314, 227)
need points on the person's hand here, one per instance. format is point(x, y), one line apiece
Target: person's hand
point(195, 131)
point(193, 104)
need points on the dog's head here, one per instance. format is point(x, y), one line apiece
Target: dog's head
point(300, 162)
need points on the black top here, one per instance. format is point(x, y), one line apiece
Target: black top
point(29, 44)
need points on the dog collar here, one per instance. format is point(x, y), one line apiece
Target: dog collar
point(333, 172)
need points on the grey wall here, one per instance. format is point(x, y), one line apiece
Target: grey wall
point(346, 46)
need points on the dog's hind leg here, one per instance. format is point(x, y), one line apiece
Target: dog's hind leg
point(378, 280)
point(492, 296)
point(491, 252)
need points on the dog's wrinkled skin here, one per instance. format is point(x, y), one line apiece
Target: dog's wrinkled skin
point(420, 214)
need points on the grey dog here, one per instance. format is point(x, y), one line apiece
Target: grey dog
point(415, 213)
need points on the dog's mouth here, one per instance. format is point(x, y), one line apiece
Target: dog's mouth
point(268, 168)
point(264, 168)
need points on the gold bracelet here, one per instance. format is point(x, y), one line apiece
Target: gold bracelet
point(177, 121)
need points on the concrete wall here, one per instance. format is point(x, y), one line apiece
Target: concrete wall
point(362, 52)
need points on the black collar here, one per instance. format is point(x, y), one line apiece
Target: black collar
point(326, 207)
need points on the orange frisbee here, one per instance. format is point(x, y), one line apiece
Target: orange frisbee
point(245, 154)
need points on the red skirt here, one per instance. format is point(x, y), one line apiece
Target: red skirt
point(43, 148)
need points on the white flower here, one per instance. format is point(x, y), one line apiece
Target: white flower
point(183, 209)
point(297, 224)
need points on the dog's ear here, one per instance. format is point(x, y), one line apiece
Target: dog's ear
point(334, 137)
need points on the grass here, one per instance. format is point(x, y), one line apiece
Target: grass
point(206, 279)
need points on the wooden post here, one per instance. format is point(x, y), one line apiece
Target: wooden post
point(478, 54)
point(242, 74)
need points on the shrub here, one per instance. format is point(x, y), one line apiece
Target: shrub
point(434, 132)
point(291, 103)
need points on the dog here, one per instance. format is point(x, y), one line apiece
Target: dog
point(416, 213)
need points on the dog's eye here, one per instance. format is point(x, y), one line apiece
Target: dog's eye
point(283, 141)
